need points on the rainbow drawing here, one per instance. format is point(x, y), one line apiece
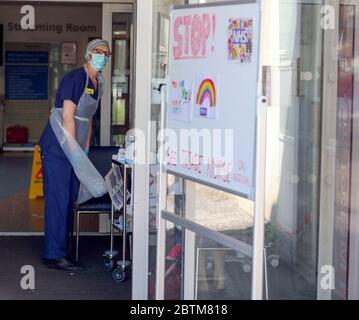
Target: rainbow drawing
point(206, 91)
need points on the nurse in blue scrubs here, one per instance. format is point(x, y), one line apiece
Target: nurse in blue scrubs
point(78, 98)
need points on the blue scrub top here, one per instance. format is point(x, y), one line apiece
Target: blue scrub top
point(71, 87)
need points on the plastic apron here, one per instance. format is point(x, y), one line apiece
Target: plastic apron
point(92, 184)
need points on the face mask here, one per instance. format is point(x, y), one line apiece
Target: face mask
point(99, 61)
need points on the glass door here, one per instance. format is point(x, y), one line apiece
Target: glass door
point(353, 290)
point(292, 58)
point(343, 166)
point(116, 104)
point(118, 30)
point(160, 51)
point(199, 219)
point(338, 263)
point(203, 236)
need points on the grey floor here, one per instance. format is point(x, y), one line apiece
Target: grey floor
point(19, 214)
point(285, 281)
point(15, 170)
point(94, 283)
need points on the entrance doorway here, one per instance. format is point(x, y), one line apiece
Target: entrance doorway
point(62, 32)
point(34, 63)
point(118, 28)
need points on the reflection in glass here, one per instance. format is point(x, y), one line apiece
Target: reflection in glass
point(57, 70)
point(221, 273)
point(160, 34)
point(343, 167)
point(223, 212)
point(174, 262)
point(292, 50)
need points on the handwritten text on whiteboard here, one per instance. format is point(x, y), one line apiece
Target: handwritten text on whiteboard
point(191, 36)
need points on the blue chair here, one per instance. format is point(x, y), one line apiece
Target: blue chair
point(101, 157)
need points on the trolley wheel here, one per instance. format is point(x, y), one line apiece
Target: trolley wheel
point(119, 275)
point(247, 268)
point(274, 262)
point(108, 264)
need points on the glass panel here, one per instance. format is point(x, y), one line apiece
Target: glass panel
point(349, 25)
point(175, 195)
point(292, 64)
point(221, 273)
point(160, 38)
point(292, 57)
point(57, 70)
point(343, 167)
point(174, 262)
point(118, 109)
point(121, 76)
point(119, 84)
point(173, 277)
point(223, 212)
point(119, 140)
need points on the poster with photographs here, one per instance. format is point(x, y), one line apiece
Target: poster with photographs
point(240, 40)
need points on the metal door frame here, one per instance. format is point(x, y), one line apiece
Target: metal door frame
point(107, 10)
point(328, 147)
point(328, 161)
point(142, 102)
point(353, 276)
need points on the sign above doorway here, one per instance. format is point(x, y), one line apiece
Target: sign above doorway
point(55, 28)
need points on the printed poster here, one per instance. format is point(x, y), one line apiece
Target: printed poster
point(240, 40)
point(181, 100)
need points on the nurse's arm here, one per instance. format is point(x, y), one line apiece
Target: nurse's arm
point(68, 117)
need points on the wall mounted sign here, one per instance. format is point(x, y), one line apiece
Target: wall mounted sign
point(26, 57)
point(55, 28)
point(69, 53)
point(26, 82)
point(26, 75)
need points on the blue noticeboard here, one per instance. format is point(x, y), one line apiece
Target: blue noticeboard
point(26, 82)
point(26, 57)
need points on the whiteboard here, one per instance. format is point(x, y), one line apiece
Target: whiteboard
point(212, 92)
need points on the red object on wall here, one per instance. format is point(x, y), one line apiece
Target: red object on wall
point(17, 134)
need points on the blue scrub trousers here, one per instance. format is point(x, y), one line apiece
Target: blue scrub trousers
point(61, 187)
